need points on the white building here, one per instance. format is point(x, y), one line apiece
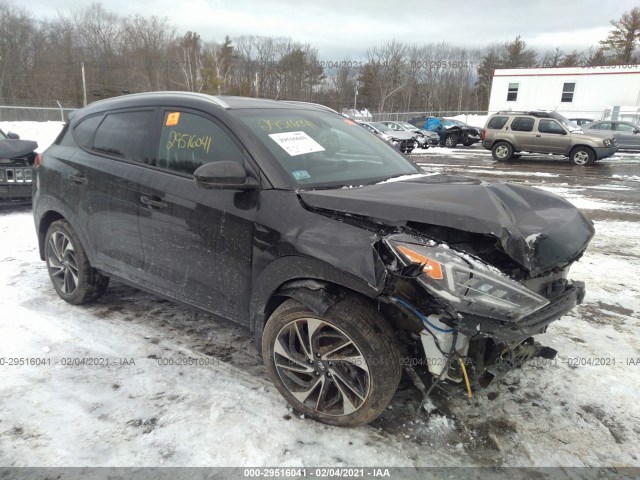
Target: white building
point(610, 92)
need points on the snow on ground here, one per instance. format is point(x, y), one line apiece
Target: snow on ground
point(578, 410)
point(474, 120)
point(42, 132)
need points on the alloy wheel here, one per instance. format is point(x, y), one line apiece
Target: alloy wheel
point(62, 263)
point(581, 158)
point(322, 367)
point(502, 151)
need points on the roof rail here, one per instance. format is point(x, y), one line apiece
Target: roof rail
point(322, 107)
point(204, 96)
point(533, 113)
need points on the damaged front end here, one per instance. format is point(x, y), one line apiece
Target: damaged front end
point(477, 322)
point(474, 270)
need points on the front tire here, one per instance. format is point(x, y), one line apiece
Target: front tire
point(69, 269)
point(502, 151)
point(341, 368)
point(582, 156)
point(451, 141)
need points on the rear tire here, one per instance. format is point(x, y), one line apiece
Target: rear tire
point(502, 151)
point(582, 156)
point(69, 269)
point(341, 368)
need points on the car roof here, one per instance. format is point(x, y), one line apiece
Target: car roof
point(532, 113)
point(187, 99)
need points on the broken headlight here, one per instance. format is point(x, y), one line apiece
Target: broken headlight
point(468, 284)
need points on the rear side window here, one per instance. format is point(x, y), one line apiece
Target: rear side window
point(84, 131)
point(497, 123)
point(123, 135)
point(189, 141)
point(522, 124)
point(602, 126)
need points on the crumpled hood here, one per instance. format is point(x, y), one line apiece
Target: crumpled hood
point(10, 148)
point(537, 229)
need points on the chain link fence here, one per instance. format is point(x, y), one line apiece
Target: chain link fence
point(12, 113)
point(404, 116)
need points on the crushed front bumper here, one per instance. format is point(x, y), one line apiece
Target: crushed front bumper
point(537, 322)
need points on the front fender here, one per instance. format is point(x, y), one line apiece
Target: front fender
point(296, 267)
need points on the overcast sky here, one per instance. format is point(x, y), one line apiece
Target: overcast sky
point(341, 28)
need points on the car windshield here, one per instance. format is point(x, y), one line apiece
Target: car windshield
point(407, 126)
point(3, 135)
point(321, 149)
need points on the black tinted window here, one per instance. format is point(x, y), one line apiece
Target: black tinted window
point(83, 132)
point(125, 135)
point(522, 124)
point(189, 140)
point(497, 122)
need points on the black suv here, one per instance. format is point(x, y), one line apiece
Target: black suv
point(344, 258)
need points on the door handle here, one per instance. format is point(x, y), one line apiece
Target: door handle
point(154, 203)
point(77, 178)
point(538, 136)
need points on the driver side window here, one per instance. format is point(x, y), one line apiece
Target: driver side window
point(188, 141)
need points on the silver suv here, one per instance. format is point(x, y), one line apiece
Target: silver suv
point(508, 133)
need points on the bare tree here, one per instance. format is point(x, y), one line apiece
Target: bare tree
point(383, 74)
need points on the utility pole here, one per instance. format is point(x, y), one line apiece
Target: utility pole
point(257, 92)
point(84, 87)
point(355, 96)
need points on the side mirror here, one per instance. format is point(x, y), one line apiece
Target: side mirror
point(13, 136)
point(223, 175)
point(635, 130)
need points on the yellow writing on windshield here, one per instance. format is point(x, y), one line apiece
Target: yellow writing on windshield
point(285, 124)
point(179, 140)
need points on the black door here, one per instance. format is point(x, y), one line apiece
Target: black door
point(197, 242)
point(106, 179)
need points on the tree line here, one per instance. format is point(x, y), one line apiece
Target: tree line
point(43, 61)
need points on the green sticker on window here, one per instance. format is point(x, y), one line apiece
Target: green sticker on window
point(301, 175)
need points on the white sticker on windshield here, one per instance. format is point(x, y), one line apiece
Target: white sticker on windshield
point(296, 143)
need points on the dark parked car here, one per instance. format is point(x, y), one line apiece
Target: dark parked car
point(16, 168)
point(627, 134)
point(400, 139)
point(346, 260)
point(451, 132)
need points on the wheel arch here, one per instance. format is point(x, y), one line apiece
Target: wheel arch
point(503, 140)
point(43, 226)
point(581, 145)
point(312, 282)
